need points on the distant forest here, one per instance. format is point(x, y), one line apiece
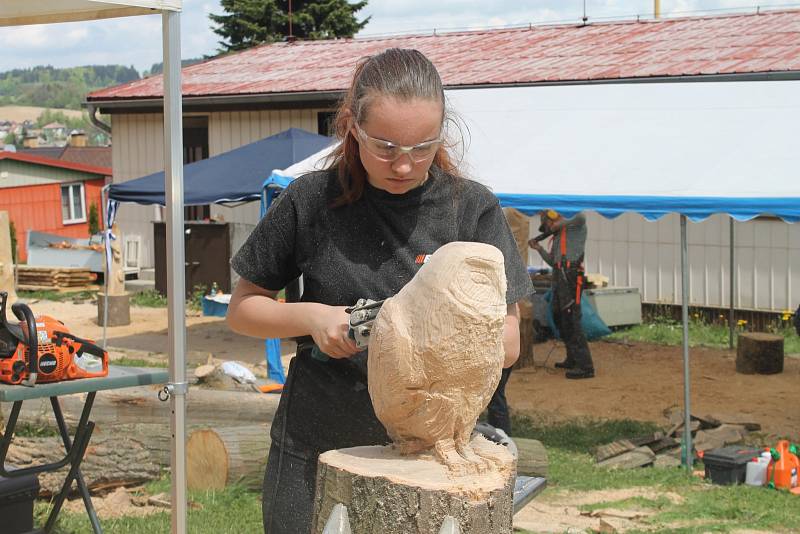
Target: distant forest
point(49, 87)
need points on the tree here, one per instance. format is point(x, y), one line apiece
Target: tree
point(251, 22)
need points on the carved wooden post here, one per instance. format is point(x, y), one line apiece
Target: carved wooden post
point(6, 259)
point(119, 304)
point(435, 356)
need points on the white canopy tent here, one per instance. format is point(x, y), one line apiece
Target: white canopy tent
point(19, 12)
point(692, 148)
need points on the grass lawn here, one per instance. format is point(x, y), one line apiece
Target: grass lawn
point(703, 508)
point(667, 331)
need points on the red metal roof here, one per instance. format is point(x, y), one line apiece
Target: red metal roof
point(39, 160)
point(729, 44)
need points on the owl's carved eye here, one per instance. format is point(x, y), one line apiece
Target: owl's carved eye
point(479, 278)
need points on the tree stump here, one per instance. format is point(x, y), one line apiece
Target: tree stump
point(6, 263)
point(759, 353)
point(391, 493)
point(217, 457)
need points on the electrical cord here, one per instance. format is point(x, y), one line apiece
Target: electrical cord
point(543, 365)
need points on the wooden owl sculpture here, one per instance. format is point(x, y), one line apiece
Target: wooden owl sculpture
point(436, 353)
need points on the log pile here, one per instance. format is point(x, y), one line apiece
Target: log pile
point(663, 449)
point(54, 278)
point(228, 437)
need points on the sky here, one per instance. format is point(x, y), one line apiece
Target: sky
point(136, 41)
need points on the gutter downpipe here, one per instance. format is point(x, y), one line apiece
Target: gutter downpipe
point(91, 109)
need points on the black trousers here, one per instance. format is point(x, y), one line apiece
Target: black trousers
point(288, 492)
point(497, 411)
point(567, 317)
point(324, 405)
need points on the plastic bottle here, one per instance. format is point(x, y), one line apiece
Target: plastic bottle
point(783, 470)
point(214, 289)
point(756, 473)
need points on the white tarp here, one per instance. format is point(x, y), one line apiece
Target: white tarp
point(21, 12)
point(694, 148)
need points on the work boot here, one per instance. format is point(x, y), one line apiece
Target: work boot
point(566, 364)
point(577, 374)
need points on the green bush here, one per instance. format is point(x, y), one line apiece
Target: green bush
point(94, 220)
point(13, 241)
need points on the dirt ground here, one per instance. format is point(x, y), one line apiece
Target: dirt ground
point(633, 380)
point(638, 381)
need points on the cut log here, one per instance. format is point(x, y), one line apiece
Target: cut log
point(393, 494)
point(531, 457)
point(111, 460)
point(218, 457)
point(759, 353)
point(141, 405)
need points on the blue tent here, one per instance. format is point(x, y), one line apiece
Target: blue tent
point(234, 176)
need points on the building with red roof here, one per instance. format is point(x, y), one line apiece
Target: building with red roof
point(241, 97)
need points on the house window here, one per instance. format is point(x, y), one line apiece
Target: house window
point(73, 206)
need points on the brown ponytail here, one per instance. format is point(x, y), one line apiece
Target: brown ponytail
point(401, 73)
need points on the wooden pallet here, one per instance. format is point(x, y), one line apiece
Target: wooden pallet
point(54, 278)
point(70, 289)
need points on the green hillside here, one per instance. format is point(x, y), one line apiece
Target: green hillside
point(49, 87)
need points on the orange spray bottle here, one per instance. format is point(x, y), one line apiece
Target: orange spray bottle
point(782, 472)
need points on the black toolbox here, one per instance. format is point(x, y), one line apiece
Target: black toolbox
point(728, 465)
point(16, 503)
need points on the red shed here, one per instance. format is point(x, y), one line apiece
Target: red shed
point(49, 195)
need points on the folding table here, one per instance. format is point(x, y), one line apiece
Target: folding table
point(118, 377)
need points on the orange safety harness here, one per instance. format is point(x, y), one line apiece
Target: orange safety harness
point(566, 263)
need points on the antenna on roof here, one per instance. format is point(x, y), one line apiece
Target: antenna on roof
point(585, 18)
point(290, 37)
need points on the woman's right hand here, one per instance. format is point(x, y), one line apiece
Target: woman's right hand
point(329, 330)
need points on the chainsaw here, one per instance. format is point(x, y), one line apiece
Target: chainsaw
point(362, 315)
point(42, 349)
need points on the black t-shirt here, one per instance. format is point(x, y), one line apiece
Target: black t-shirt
point(373, 247)
point(369, 249)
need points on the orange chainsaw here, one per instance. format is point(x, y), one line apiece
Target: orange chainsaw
point(41, 349)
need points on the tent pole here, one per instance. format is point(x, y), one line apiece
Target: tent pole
point(176, 284)
point(732, 281)
point(687, 414)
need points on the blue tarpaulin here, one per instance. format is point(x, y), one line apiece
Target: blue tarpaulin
point(233, 176)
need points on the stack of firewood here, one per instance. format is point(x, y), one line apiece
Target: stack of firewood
point(54, 278)
point(663, 449)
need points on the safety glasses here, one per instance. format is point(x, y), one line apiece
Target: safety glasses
point(386, 151)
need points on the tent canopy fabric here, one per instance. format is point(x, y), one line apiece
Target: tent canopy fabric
point(233, 176)
point(280, 178)
point(22, 12)
point(653, 148)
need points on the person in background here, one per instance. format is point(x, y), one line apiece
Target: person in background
point(566, 258)
point(360, 229)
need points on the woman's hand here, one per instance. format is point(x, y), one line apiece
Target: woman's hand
point(535, 245)
point(329, 330)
